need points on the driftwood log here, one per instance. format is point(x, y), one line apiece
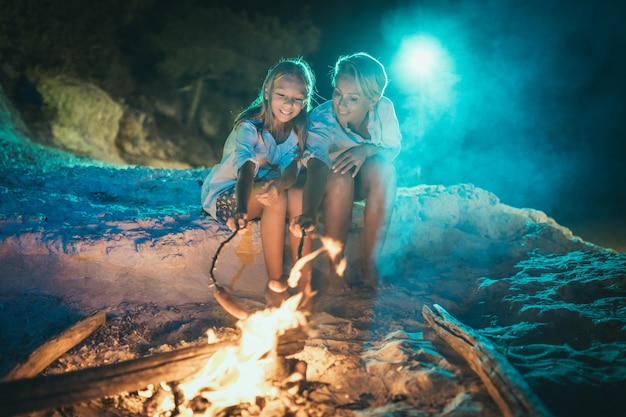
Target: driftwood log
point(50, 351)
point(26, 395)
point(504, 383)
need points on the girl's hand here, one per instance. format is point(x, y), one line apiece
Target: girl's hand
point(301, 223)
point(270, 195)
point(351, 160)
point(237, 221)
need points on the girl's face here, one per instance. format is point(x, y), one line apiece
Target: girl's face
point(349, 104)
point(287, 98)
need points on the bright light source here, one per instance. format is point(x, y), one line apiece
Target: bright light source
point(419, 59)
point(419, 54)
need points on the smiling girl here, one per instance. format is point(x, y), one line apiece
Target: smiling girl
point(259, 164)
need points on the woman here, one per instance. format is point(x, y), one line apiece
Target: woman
point(352, 142)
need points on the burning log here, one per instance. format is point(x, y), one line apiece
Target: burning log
point(503, 382)
point(55, 347)
point(45, 392)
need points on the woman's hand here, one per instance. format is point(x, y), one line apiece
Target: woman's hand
point(268, 195)
point(239, 220)
point(352, 159)
point(301, 223)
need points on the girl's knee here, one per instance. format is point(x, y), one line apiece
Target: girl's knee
point(282, 199)
point(294, 194)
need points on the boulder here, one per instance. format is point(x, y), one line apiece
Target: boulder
point(83, 118)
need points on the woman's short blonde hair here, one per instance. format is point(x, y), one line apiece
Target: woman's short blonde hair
point(369, 74)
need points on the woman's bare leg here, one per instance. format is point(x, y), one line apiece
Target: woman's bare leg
point(377, 184)
point(338, 209)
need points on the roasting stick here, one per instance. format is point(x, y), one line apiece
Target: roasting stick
point(222, 296)
point(225, 299)
point(301, 245)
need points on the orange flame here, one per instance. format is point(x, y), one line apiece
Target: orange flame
point(238, 374)
point(331, 246)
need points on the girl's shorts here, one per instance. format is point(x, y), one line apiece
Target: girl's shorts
point(226, 204)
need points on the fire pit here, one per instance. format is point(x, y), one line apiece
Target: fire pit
point(288, 362)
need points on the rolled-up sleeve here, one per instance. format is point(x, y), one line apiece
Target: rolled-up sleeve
point(388, 136)
point(245, 144)
point(321, 130)
point(317, 143)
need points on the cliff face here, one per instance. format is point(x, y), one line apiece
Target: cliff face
point(81, 119)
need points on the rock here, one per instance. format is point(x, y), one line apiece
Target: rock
point(83, 118)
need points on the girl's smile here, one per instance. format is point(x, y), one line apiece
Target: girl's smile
point(287, 99)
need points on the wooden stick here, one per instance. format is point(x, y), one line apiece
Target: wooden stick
point(50, 351)
point(45, 392)
point(504, 383)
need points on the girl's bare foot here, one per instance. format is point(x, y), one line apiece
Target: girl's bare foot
point(278, 285)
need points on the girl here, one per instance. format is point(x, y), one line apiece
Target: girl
point(259, 164)
point(352, 142)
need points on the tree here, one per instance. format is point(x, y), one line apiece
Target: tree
point(227, 53)
point(73, 37)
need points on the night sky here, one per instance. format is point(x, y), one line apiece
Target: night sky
point(528, 100)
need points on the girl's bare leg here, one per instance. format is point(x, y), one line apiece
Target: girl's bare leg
point(272, 237)
point(294, 209)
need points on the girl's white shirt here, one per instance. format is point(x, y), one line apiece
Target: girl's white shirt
point(247, 143)
point(327, 139)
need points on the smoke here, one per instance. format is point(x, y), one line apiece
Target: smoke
point(535, 109)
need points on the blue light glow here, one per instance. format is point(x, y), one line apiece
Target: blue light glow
point(417, 57)
point(422, 64)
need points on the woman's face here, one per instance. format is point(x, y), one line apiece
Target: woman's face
point(349, 104)
point(287, 98)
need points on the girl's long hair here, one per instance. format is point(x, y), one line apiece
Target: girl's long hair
point(260, 111)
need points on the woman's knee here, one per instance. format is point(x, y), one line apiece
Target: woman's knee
point(378, 172)
point(339, 184)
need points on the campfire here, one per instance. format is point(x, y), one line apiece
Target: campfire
point(251, 372)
